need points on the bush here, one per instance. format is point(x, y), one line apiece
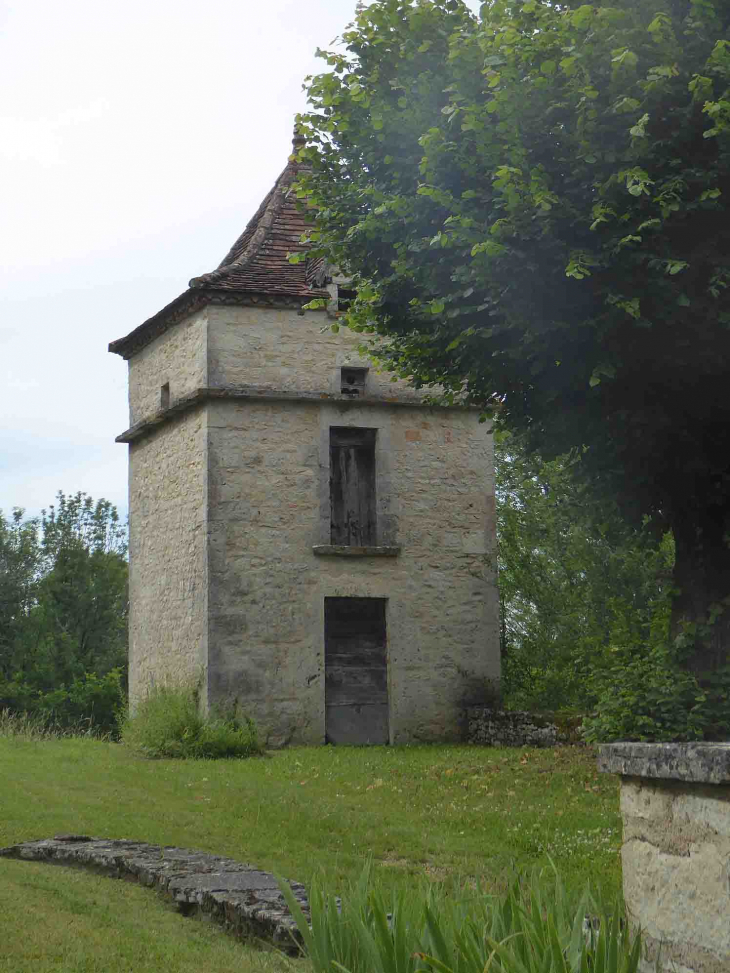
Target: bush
point(535, 928)
point(168, 723)
point(648, 699)
point(649, 696)
point(90, 704)
point(94, 700)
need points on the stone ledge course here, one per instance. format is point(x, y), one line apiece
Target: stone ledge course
point(254, 393)
point(340, 550)
point(243, 899)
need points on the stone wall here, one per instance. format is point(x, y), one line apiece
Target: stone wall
point(500, 728)
point(178, 358)
point(281, 349)
point(168, 581)
point(269, 507)
point(675, 805)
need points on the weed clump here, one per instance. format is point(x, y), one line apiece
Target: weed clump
point(168, 723)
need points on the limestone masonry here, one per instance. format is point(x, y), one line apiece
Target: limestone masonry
point(675, 805)
point(309, 541)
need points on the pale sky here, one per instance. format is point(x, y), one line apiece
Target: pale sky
point(136, 141)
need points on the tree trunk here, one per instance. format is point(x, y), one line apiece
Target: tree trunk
point(701, 604)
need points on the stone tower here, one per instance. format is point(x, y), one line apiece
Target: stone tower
point(309, 541)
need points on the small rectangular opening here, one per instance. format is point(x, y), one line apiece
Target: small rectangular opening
point(352, 381)
point(352, 486)
point(165, 396)
point(345, 297)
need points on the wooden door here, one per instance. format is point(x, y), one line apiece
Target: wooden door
point(356, 671)
point(352, 486)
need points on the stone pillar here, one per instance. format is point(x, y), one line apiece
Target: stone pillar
point(675, 805)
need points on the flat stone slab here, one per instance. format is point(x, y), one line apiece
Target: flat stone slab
point(702, 763)
point(243, 899)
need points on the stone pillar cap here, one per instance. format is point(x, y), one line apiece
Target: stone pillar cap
point(703, 763)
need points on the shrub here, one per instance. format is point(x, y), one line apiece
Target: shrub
point(648, 695)
point(91, 704)
point(168, 723)
point(535, 928)
point(93, 700)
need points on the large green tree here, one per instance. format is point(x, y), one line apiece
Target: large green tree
point(581, 591)
point(20, 559)
point(533, 205)
point(80, 616)
point(63, 610)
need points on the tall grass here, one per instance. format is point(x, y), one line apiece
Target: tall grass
point(535, 928)
point(42, 726)
point(168, 723)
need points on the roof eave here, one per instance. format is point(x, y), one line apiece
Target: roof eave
point(186, 303)
point(195, 298)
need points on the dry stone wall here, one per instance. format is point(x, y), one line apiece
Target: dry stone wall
point(243, 899)
point(500, 728)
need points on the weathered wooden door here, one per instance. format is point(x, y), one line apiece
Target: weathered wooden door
point(352, 486)
point(356, 671)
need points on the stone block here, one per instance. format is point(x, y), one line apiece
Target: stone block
point(675, 804)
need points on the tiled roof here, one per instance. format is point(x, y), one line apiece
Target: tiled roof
point(257, 261)
point(255, 271)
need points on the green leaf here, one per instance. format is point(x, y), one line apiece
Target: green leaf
point(582, 17)
point(675, 266)
point(638, 130)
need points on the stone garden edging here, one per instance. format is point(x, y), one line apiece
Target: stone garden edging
point(243, 899)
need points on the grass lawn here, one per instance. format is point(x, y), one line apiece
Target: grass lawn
point(438, 813)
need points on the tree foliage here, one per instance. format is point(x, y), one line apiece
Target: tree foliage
point(580, 590)
point(533, 208)
point(63, 610)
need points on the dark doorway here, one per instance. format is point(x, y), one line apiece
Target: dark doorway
point(352, 486)
point(356, 671)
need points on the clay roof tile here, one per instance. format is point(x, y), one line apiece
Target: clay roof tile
point(257, 261)
point(257, 264)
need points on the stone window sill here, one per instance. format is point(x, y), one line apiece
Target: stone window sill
point(337, 550)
